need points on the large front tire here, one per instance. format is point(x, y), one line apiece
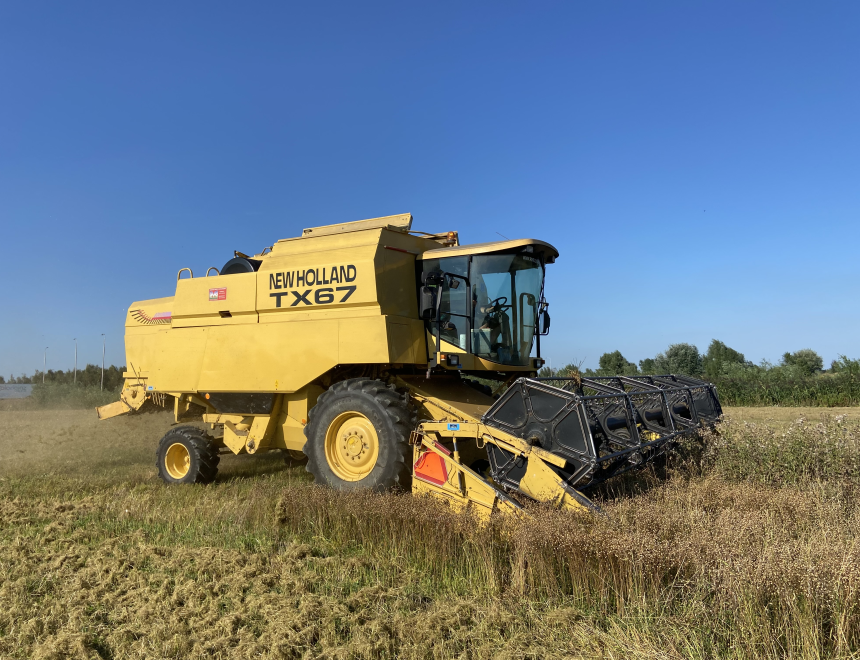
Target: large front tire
point(358, 437)
point(186, 455)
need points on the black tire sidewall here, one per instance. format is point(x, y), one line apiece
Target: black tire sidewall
point(386, 471)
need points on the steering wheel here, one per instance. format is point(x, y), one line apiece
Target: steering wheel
point(499, 303)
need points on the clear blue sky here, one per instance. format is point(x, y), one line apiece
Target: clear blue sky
point(696, 163)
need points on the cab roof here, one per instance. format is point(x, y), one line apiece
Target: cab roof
point(539, 247)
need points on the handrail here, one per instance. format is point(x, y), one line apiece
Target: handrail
point(211, 268)
point(179, 274)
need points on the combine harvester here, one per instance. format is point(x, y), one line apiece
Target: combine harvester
point(350, 348)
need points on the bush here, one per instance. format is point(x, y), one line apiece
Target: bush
point(766, 385)
point(69, 396)
point(806, 360)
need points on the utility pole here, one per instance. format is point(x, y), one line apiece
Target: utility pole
point(45, 364)
point(103, 361)
point(76, 360)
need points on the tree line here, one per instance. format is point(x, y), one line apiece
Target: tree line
point(89, 376)
point(798, 379)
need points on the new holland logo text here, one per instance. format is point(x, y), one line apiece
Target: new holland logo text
point(294, 285)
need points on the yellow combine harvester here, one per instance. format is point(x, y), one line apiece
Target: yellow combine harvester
point(350, 348)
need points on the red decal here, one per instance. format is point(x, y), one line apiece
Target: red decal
point(142, 317)
point(430, 467)
point(218, 294)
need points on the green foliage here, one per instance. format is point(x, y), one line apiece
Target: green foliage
point(718, 355)
point(679, 359)
point(648, 366)
point(786, 386)
point(615, 364)
point(22, 380)
point(89, 376)
point(798, 381)
point(806, 360)
point(845, 365)
point(67, 395)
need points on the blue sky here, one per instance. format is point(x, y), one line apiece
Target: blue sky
point(696, 163)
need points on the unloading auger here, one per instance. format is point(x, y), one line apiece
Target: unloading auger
point(353, 349)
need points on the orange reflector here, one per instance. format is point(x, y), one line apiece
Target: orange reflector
point(431, 468)
point(207, 396)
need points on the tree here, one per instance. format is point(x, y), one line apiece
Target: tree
point(615, 364)
point(679, 359)
point(806, 360)
point(719, 354)
point(570, 370)
point(845, 365)
point(648, 366)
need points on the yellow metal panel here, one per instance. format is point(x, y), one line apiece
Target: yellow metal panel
point(402, 222)
point(154, 313)
point(292, 434)
point(468, 403)
point(112, 410)
point(419, 342)
point(395, 274)
point(463, 488)
point(234, 439)
point(363, 341)
point(221, 300)
point(314, 281)
point(496, 246)
point(172, 357)
point(544, 485)
point(294, 417)
point(400, 342)
point(271, 357)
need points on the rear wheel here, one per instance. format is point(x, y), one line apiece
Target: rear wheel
point(186, 455)
point(358, 436)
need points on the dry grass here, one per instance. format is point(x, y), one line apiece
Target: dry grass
point(782, 417)
point(102, 561)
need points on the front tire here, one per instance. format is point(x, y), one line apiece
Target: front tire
point(358, 437)
point(186, 455)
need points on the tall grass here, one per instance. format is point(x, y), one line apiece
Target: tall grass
point(785, 387)
point(772, 571)
point(807, 452)
point(56, 396)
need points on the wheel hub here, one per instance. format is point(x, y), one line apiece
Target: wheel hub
point(352, 446)
point(177, 460)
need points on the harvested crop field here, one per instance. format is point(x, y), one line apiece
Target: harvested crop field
point(745, 548)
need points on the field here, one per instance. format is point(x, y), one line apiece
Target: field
point(745, 548)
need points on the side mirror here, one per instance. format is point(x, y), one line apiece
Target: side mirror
point(427, 304)
point(544, 322)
